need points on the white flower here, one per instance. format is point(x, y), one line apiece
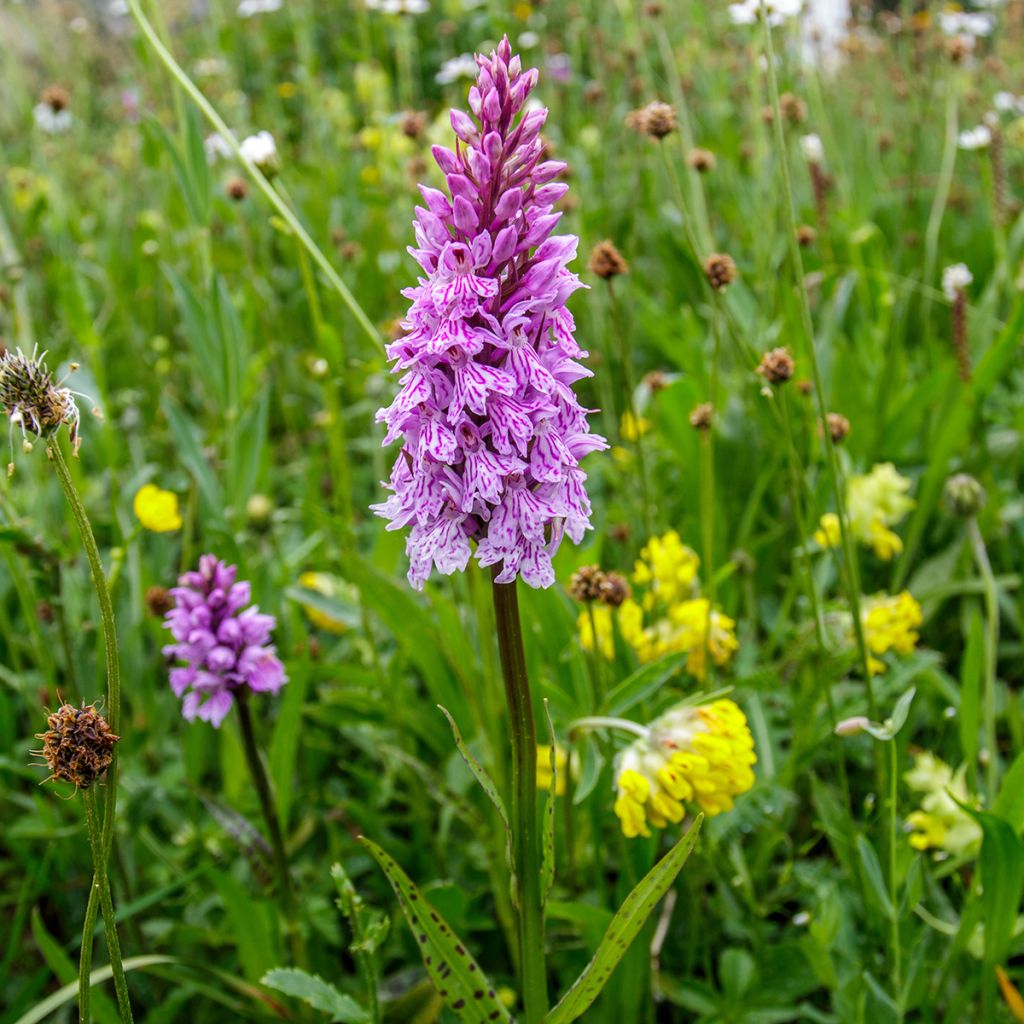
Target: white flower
point(963, 23)
point(398, 6)
point(247, 8)
point(53, 122)
point(1007, 103)
point(463, 66)
point(261, 150)
point(812, 149)
point(118, 8)
point(975, 138)
point(748, 12)
point(216, 148)
point(955, 279)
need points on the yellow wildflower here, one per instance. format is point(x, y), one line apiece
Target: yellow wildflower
point(828, 535)
point(602, 620)
point(544, 767)
point(890, 624)
point(941, 824)
point(328, 586)
point(876, 501)
point(633, 427)
point(885, 543)
point(668, 566)
point(703, 755)
point(156, 509)
point(703, 630)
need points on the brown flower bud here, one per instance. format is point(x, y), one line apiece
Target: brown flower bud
point(606, 261)
point(656, 120)
point(56, 97)
point(806, 235)
point(620, 532)
point(720, 270)
point(777, 366)
point(586, 583)
point(656, 381)
point(413, 124)
point(159, 601)
point(613, 589)
point(79, 746)
point(701, 160)
point(838, 427)
point(702, 416)
point(236, 189)
point(794, 110)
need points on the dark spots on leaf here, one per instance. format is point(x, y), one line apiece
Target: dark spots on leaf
point(458, 1004)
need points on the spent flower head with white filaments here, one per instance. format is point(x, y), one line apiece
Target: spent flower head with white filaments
point(34, 403)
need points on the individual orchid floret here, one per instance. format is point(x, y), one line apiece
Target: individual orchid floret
point(492, 433)
point(223, 640)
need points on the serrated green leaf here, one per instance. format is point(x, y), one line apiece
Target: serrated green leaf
point(455, 974)
point(320, 994)
point(625, 926)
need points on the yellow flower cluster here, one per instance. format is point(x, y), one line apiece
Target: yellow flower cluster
point(328, 586)
point(704, 755)
point(941, 824)
point(156, 509)
point(670, 616)
point(890, 624)
point(875, 501)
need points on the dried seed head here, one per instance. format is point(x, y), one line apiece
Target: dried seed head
point(806, 235)
point(236, 189)
point(794, 110)
point(959, 48)
point(593, 92)
point(32, 402)
point(655, 381)
point(776, 366)
point(701, 160)
point(586, 583)
point(414, 124)
point(613, 589)
point(702, 416)
point(606, 261)
point(159, 601)
point(620, 532)
point(56, 97)
point(79, 746)
point(838, 427)
point(652, 9)
point(656, 120)
point(965, 497)
point(720, 270)
point(805, 386)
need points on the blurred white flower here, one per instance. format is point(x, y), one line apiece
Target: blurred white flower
point(955, 279)
point(463, 66)
point(975, 138)
point(247, 8)
point(398, 6)
point(53, 122)
point(812, 149)
point(1007, 103)
point(216, 148)
point(261, 150)
point(118, 8)
point(747, 12)
point(964, 23)
point(528, 40)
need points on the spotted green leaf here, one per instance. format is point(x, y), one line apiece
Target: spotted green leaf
point(625, 926)
point(455, 974)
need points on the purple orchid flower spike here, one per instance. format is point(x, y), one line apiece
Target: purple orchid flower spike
point(492, 432)
point(223, 640)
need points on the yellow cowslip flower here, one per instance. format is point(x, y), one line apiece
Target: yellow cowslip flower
point(941, 824)
point(668, 567)
point(544, 767)
point(875, 501)
point(702, 755)
point(702, 631)
point(828, 534)
point(156, 509)
point(890, 624)
point(602, 621)
point(633, 427)
point(329, 587)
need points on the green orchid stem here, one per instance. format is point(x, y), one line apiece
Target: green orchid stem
point(261, 781)
point(525, 821)
point(113, 715)
point(101, 886)
point(894, 930)
point(981, 559)
point(257, 177)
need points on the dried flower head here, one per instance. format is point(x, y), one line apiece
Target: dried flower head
point(656, 120)
point(236, 189)
point(794, 109)
point(32, 402)
point(606, 261)
point(585, 585)
point(720, 270)
point(838, 427)
point(701, 160)
point(655, 381)
point(776, 366)
point(79, 745)
point(614, 590)
point(413, 124)
point(702, 416)
point(56, 97)
point(159, 601)
point(806, 235)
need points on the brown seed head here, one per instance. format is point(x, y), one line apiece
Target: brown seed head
point(656, 381)
point(720, 270)
point(777, 366)
point(586, 583)
point(613, 589)
point(838, 427)
point(656, 120)
point(805, 386)
point(31, 400)
point(653, 9)
point(413, 124)
point(701, 160)
point(159, 601)
point(620, 532)
point(794, 110)
point(806, 235)
point(79, 746)
point(958, 49)
point(701, 416)
point(236, 189)
point(56, 97)
point(606, 261)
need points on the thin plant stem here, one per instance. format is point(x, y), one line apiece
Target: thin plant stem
point(988, 579)
point(283, 210)
point(102, 883)
point(525, 824)
point(261, 781)
point(113, 715)
point(894, 934)
point(807, 324)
